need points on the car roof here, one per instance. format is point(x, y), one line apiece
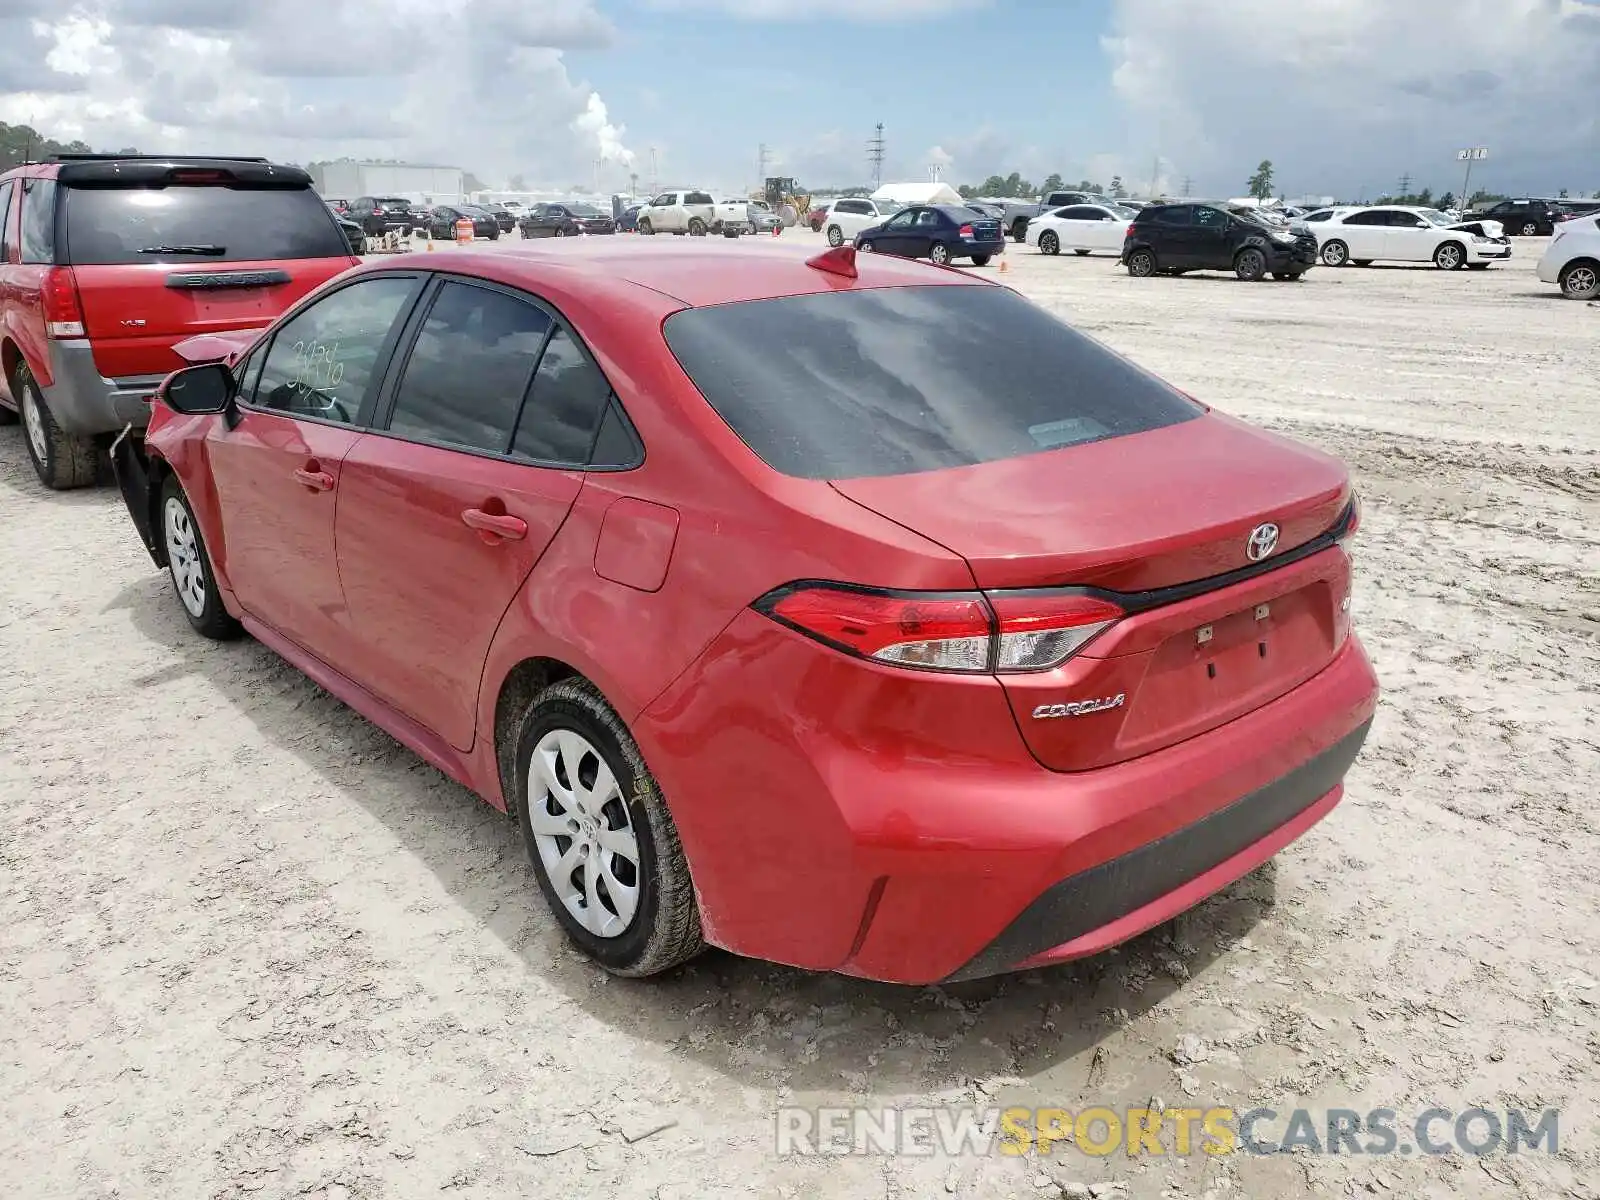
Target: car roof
point(693, 273)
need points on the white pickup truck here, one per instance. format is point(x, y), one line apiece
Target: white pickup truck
point(694, 213)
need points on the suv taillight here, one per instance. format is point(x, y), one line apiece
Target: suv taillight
point(966, 632)
point(63, 314)
point(1129, 233)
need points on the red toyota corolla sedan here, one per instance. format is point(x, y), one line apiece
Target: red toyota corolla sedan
point(849, 613)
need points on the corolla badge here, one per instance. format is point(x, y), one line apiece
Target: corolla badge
point(1078, 708)
point(1263, 541)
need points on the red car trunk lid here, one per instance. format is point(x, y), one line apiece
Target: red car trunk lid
point(1141, 516)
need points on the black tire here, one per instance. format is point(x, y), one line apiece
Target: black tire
point(865, 247)
point(697, 227)
point(1250, 265)
point(646, 228)
point(980, 260)
point(61, 460)
point(1019, 229)
point(835, 236)
point(1081, 253)
point(9, 416)
point(494, 234)
point(1286, 276)
point(1049, 242)
point(1529, 229)
point(1580, 279)
point(1141, 264)
point(1362, 262)
point(1451, 256)
point(664, 931)
point(1478, 266)
point(939, 254)
point(1335, 253)
point(212, 620)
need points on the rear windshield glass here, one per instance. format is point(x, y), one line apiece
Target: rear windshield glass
point(888, 381)
point(199, 224)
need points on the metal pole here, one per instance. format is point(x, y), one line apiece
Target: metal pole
point(1466, 184)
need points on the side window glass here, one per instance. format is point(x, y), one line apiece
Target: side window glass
point(38, 229)
point(469, 370)
point(248, 374)
point(322, 361)
point(615, 445)
point(5, 221)
point(1208, 218)
point(568, 399)
point(1178, 216)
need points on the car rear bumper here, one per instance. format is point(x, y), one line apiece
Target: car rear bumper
point(84, 402)
point(927, 847)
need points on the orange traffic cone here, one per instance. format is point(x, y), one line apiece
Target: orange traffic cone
point(430, 245)
point(1005, 265)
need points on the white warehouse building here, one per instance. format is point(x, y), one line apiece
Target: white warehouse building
point(348, 180)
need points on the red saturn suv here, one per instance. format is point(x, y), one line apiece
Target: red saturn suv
point(108, 260)
point(849, 613)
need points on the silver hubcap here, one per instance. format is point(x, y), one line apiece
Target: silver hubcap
point(1580, 280)
point(583, 832)
point(1048, 243)
point(866, 247)
point(183, 556)
point(939, 254)
point(835, 236)
point(1333, 255)
point(33, 421)
point(1449, 256)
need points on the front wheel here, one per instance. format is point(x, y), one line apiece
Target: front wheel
point(604, 847)
point(1251, 265)
point(61, 460)
point(864, 248)
point(1141, 264)
point(1529, 229)
point(1335, 254)
point(980, 260)
point(1580, 280)
point(645, 228)
point(939, 254)
point(190, 567)
point(835, 236)
point(1450, 256)
point(697, 228)
point(1081, 253)
point(1049, 243)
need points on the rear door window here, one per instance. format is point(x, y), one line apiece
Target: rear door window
point(698, 198)
point(38, 228)
point(1178, 216)
point(564, 409)
point(5, 221)
point(469, 369)
point(107, 226)
point(843, 385)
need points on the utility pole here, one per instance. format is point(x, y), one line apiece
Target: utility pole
point(875, 154)
point(1405, 185)
point(761, 167)
point(655, 179)
point(1155, 176)
point(1469, 156)
point(1188, 187)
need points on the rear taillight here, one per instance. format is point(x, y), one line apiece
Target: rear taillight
point(63, 314)
point(965, 231)
point(967, 632)
point(1129, 233)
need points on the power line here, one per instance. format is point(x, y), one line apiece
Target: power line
point(875, 155)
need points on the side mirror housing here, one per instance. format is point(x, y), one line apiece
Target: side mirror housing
point(204, 388)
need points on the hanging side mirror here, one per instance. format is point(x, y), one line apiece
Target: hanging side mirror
point(200, 389)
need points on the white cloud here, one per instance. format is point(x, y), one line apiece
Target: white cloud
point(1342, 94)
point(834, 10)
point(482, 84)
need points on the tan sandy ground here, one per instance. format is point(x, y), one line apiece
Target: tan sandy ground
point(252, 946)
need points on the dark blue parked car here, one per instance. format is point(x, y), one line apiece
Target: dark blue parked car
point(941, 232)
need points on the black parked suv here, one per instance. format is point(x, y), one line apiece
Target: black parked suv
point(379, 214)
point(1171, 239)
point(1527, 218)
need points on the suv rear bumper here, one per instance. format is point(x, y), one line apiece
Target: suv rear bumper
point(84, 402)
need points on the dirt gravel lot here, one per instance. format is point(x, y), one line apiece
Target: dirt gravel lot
point(254, 947)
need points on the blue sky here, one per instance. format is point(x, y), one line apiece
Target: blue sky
point(1344, 96)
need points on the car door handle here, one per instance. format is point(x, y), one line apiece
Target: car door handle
point(317, 481)
point(494, 526)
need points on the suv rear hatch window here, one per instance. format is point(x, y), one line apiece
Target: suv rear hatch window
point(156, 264)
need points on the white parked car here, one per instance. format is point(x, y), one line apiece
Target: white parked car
point(848, 217)
point(1081, 228)
point(693, 213)
point(1572, 259)
point(1399, 233)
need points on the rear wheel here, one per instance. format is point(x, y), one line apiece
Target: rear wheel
point(1286, 275)
point(835, 236)
point(1450, 257)
point(190, 567)
point(60, 459)
point(1335, 253)
point(1141, 264)
point(604, 847)
point(1250, 265)
point(1580, 280)
point(939, 254)
point(1019, 229)
point(1049, 243)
